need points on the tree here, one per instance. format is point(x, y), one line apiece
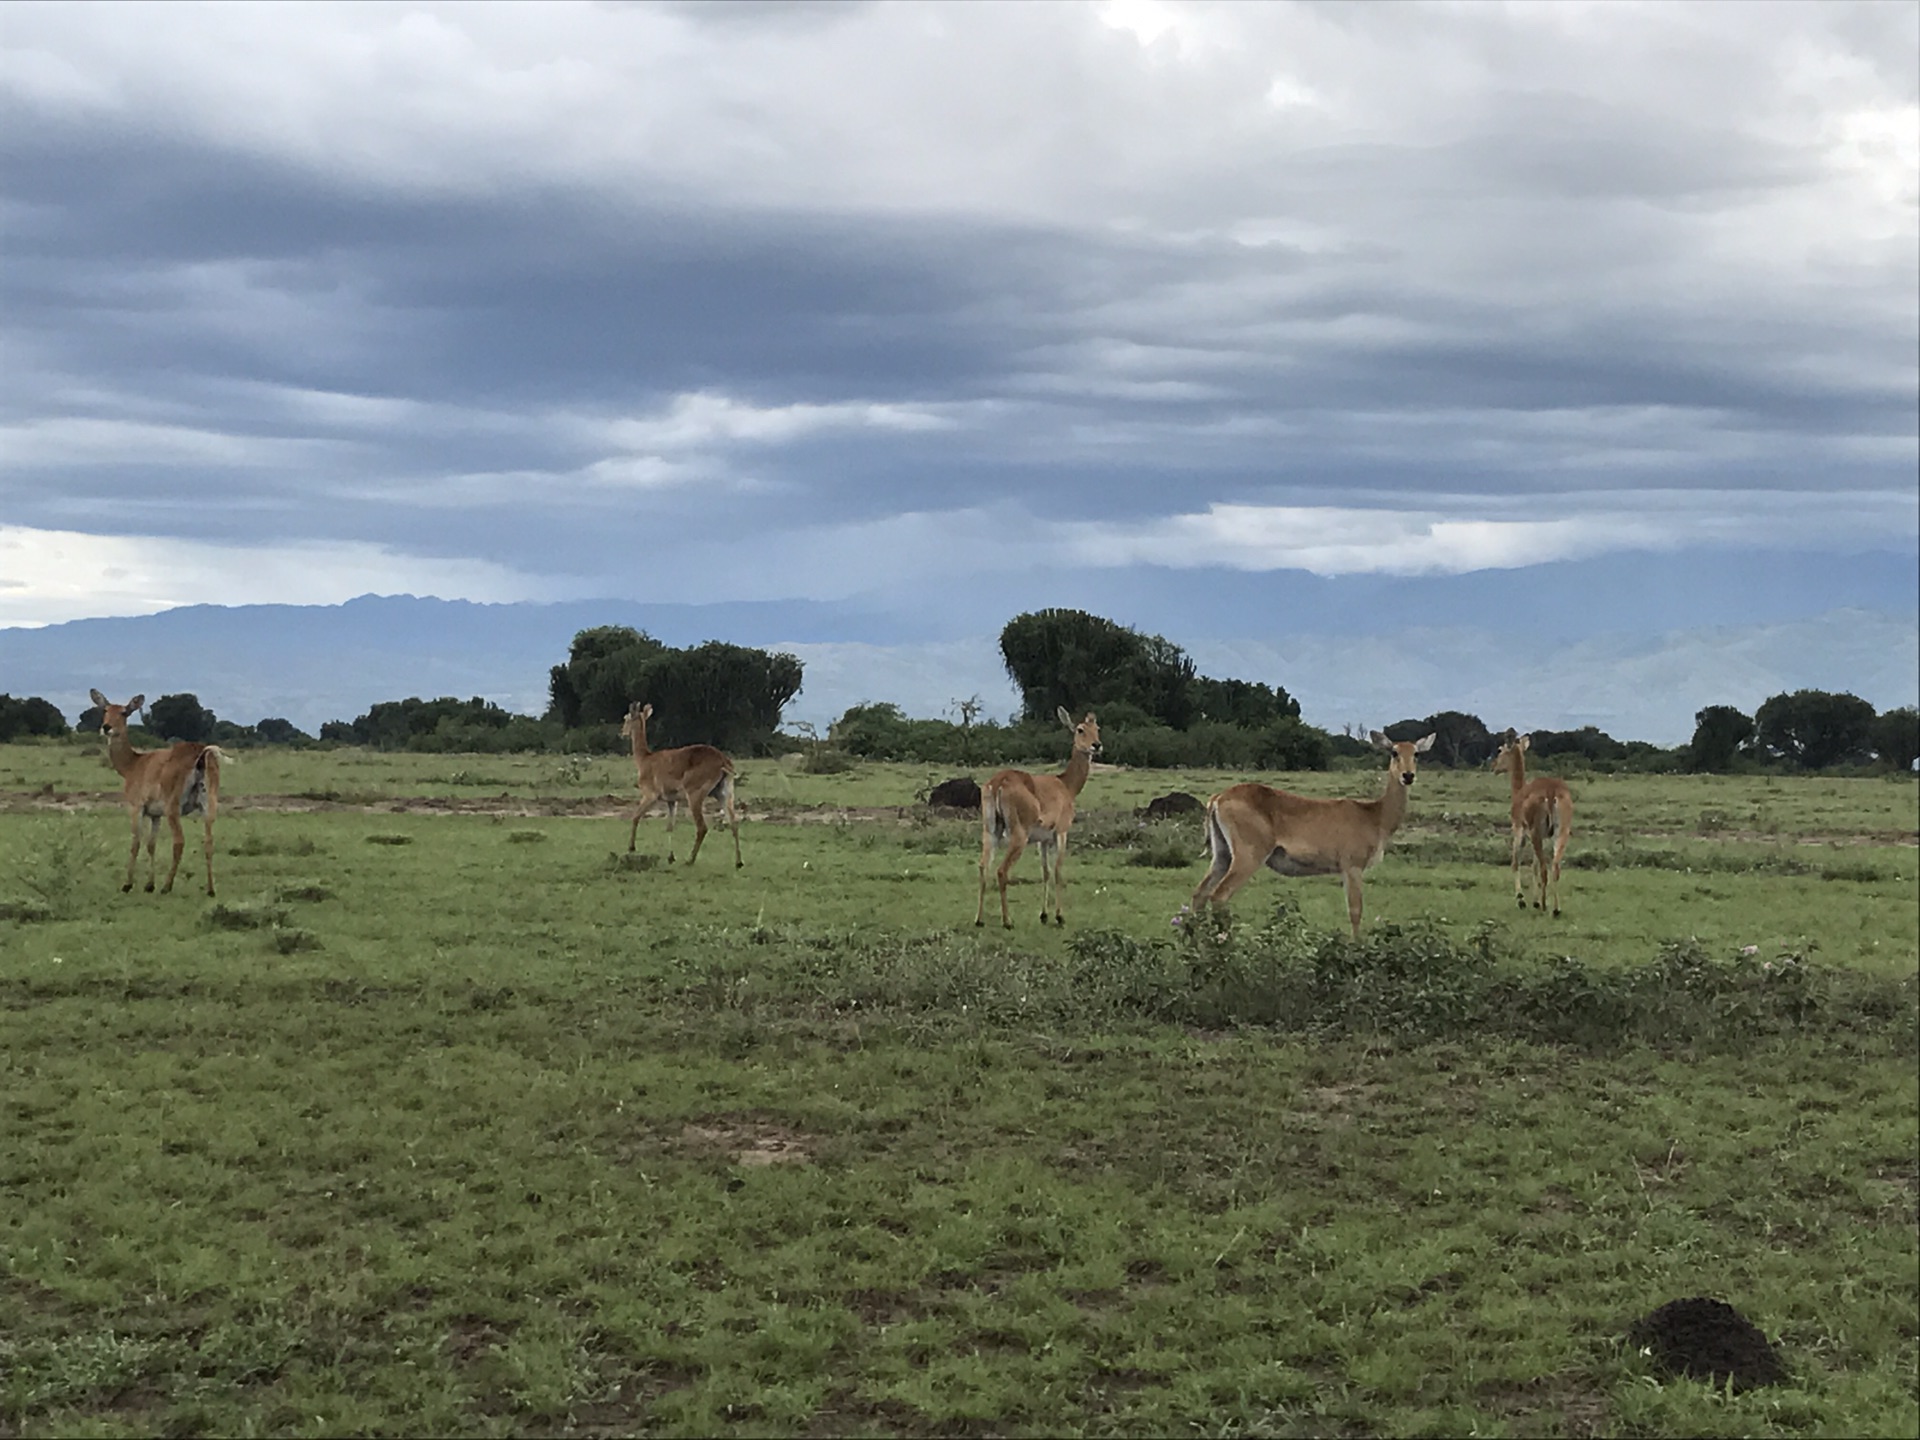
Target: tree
point(416, 724)
point(31, 716)
point(1815, 728)
point(1068, 659)
point(595, 684)
point(1242, 702)
point(969, 711)
point(1720, 733)
point(275, 731)
point(1589, 741)
point(1896, 737)
point(180, 717)
point(718, 694)
point(1459, 738)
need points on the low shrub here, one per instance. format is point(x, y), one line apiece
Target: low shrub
point(1411, 982)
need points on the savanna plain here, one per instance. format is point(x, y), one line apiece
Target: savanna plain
point(448, 1117)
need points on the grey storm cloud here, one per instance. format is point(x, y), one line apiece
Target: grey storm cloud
point(716, 300)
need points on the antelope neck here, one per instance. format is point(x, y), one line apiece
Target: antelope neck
point(120, 751)
point(1517, 769)
point(1393, 800)
point(1078, 768)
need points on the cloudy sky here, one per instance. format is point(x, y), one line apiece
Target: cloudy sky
point(1405, 355)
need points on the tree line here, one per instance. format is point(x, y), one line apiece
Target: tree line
point(1156, 711)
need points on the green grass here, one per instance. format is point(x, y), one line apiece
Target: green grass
point(481, 1135)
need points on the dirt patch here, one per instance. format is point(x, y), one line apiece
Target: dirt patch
point(1337, 1102)
point(750, 1144)
point(471, 1336)
point(1582, 1411)
point(1708, 1340)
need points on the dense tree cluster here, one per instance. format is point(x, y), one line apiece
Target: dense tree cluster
point(1155, 710)
point(712, 694)
point(442, 726)
point(1804, 730)
point(31, 716)
point(1070, 659)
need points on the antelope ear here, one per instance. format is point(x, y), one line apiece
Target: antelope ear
point(1065, 718)
point(135, 703)
point(646, 711)
point(98, 698)
point(1422, 746)
point(1380, 742)
point(1523, 742)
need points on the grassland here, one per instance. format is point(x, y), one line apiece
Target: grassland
point(448, 1118)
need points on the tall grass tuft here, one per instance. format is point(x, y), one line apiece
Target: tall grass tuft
point(60, 853)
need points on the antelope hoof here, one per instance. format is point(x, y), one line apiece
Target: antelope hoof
point(979, 924)
point(1060, 921)
point(126, 887)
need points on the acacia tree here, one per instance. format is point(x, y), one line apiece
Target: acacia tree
point(1815, 728)
point(1720, 733)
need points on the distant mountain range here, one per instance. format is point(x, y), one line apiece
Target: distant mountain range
point(1365, 654)
point(313, 663)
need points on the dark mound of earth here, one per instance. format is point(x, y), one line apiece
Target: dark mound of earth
point(1708, 1340)
point(960, 793)
point(1166, 807)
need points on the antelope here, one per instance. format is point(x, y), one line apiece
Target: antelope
point(182, 780)
point(1016, 807)
point(1253, 825)
point(1542, 813)
point(685, 775)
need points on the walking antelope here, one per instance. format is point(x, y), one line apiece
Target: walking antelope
point(162, 784)
point(1253, 825)
point(1542, 813)
point(1016, 807)
point(685, 775)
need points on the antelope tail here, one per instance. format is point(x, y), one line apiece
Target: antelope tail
point(1218, 842)
point(994, 817)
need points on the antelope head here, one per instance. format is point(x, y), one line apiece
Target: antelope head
point(1403, 752)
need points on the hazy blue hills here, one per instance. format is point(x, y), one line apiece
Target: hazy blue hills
point(1632, 643)
point(311, 663)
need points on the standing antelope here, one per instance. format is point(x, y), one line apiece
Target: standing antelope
point(685, 775)
point(1543, 813)
point(183, 780)
point(1016, 807)
point(1253, 825)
